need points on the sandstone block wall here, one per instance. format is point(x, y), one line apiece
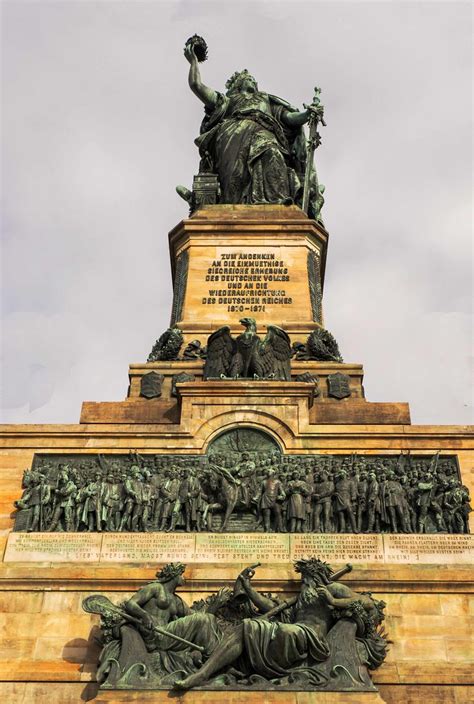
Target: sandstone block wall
point(47, 647)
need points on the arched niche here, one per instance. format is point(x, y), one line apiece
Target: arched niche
point(243, 439)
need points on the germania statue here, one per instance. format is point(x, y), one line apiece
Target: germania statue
point(253, 142)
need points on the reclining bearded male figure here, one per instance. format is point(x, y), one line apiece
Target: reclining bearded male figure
point(154, 640)
point(252, 140)
point(298, 643)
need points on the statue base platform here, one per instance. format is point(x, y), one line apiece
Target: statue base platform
point(237, 697)
point(306, 404)
point(262, 261)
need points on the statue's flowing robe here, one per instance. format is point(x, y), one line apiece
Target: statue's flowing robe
point(257, 158)
point(160, 655)
point(199, 627)
point(275, 650)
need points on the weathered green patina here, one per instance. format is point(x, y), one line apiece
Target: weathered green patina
point(254, 142)
point(326, 638)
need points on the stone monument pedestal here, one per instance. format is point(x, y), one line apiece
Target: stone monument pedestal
point(48, 649)
point(202, 697)
point(231, 261)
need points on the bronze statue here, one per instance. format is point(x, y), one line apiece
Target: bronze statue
point(253, 141)
point(322, 509)
point(167, 346)
point(194, 350)
point(63, 502)
point(325, 638)
point(248, 356)
point(273, 494)
point(322, 346)
point(297, 491)
point(155, 620)
point(35, 497)
point(345, 498)
point(169, 491)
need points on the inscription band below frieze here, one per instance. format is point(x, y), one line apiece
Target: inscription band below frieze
point(214, 548)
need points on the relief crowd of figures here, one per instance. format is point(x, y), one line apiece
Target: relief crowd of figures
point(268, 491)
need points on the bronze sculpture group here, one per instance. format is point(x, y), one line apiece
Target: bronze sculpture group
point(327, 637)
point(248, 356)
point(257, 490)
point(224, 355)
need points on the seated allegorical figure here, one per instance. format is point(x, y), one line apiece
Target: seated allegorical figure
point(325, 638)
point(155, 633)
point(251, 140)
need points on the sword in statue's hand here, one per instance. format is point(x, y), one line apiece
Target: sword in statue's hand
point(316, 115)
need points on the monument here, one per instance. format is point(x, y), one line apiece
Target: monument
point(245, 521)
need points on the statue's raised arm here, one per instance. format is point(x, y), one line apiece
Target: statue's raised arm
point(195, 51)
point(252, 145)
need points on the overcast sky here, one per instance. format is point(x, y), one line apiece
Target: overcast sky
point(98, 128)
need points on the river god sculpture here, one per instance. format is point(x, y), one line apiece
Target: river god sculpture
point(327, 637)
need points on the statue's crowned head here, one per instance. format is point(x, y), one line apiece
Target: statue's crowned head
point(170, 571)
point(238, 79)
point(315, 569)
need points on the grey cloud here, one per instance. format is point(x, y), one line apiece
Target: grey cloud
point(98, 127)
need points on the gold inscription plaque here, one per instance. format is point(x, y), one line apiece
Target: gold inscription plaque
point(53, 547)
point(451, 549)
point(147, 547)
point(237, 547)
point(337, 548)
point(241, 547)
point(248, 281)
point(269, 283)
